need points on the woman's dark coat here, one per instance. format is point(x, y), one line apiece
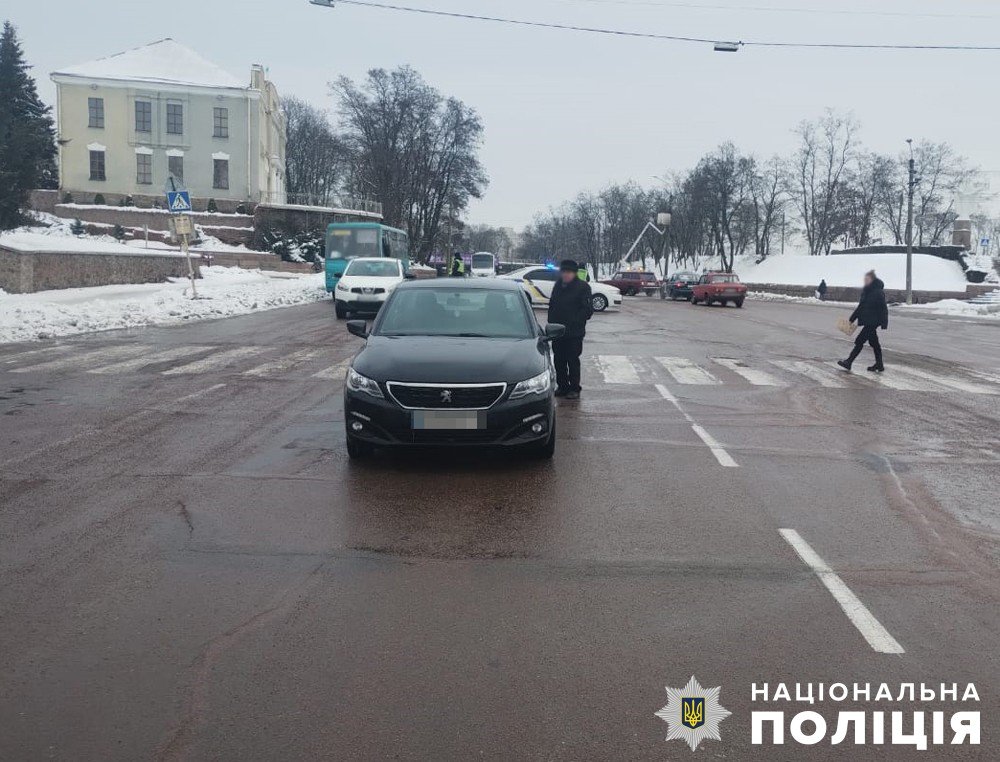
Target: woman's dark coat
point(872, 310)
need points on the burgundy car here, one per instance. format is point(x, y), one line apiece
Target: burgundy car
point(631, 282)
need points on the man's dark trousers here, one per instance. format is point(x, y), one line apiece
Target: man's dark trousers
point(566, 355)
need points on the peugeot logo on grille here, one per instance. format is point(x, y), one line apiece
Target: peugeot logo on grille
point(446, 395)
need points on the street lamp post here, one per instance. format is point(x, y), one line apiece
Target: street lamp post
point(909, 225)
point(662, 219)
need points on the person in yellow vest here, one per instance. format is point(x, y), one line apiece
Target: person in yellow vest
point(583, 273)
point(457, 266)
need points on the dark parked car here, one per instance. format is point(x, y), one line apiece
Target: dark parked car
point(679, 285)
point(453, 362)
point(631, 282)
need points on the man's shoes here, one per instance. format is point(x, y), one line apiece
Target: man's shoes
point(560, 392)
point(876, 368)
point(573, 395)
point(845, 365)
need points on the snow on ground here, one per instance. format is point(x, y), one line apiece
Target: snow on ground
point(954, 308)
point(929, 273)
point(222, 292)
point(47, 242)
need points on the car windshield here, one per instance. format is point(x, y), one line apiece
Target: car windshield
point(456, 311)
point(726, 279)
point(482, 260)
point(385, 268)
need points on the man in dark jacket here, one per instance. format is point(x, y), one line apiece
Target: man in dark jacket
point(570, 306)
point(871, 314)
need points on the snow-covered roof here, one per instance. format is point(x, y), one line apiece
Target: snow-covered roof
point(163, 62)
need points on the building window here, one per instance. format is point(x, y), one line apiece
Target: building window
point(97, 171)
point(175, 119)
point(175, 166)
point(220, 174)
point(221, 123)
point(144, 168)
point(95, 111)
point(143, 116)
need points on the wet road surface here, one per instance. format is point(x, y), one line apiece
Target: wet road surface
point(191, 568)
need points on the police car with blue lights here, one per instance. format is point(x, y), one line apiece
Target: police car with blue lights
point(538, 281)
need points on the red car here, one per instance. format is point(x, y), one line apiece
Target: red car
point(631, 282)
point(719, 287)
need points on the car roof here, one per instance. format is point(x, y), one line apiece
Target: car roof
point(373, 259)
point(472, 284)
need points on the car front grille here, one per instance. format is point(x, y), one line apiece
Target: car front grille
point(444, 397)
point(367, 290)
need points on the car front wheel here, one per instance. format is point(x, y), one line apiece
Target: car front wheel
point(739, 302)
point(599, 302)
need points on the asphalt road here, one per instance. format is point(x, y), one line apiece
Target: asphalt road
point(191, 568)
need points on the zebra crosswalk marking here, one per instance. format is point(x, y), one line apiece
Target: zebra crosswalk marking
point(283, 364)
point(894, 381)
point(949, 382)
point(19, 356)
point(91, 358)
point(819, 375)
point(218, 360)
point(686, 372)
point(136, 363)
point(617, 369)
point(334, 372)
point(753, 375)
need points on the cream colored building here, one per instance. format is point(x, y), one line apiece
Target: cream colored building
point(129, 121)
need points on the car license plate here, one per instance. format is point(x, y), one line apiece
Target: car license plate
point(464, 420)
point(731, 292)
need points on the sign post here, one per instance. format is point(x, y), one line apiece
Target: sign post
point(179, 205)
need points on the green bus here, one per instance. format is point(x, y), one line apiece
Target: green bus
point(349, 240)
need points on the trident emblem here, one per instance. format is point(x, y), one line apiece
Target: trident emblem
point(694, 712)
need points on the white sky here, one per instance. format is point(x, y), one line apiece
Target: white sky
point(567, 111)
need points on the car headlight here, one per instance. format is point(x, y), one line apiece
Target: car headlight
point(341, 286)
point(358, 383)
point(539, 384)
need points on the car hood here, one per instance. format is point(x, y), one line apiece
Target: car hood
point(450, 360)
point(369, 281)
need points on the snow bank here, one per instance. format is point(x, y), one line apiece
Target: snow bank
point(222, 292)
point(929, 273)
point(41, 242)
point(953, 308)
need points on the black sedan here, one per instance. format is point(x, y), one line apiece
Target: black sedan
point(679, 285)
point(453, 362)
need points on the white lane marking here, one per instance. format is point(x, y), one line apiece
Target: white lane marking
point(686, 372)
point(199, 393)
point(334, 372)
point(877, 636)
point(753, 375)
point(217, 360)
point(87, 359)
point(822, 376)
point(617, 369)
point(949, 382)
point(889, 381)
point(140, 362)
point(19, 356)
point(283, 364)
point(717, 449)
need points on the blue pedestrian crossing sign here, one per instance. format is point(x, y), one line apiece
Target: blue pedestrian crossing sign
point(178, 202)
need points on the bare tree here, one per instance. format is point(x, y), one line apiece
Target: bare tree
point(816, 181)
point(870, 183)
point(317, 159)
point(415, 150)
point(768, 198)
point(941, 173)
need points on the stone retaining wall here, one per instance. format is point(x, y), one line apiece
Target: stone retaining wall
point(852, 294)
point(255, 260)
point(24, 272)
point(45, 201)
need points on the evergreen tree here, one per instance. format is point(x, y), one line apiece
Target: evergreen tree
point(27, 133)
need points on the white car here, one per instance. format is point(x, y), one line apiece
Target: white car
point(538, 282)
point(484, 265)
point(366, 284)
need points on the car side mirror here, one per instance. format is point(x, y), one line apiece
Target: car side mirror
point(554, 331)
point(358, 328)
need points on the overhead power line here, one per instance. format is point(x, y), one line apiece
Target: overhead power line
point(731, 44)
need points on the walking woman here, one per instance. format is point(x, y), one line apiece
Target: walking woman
point(871, 314)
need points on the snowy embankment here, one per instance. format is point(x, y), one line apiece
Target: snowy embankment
point(222, 292)
point(929, 273)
